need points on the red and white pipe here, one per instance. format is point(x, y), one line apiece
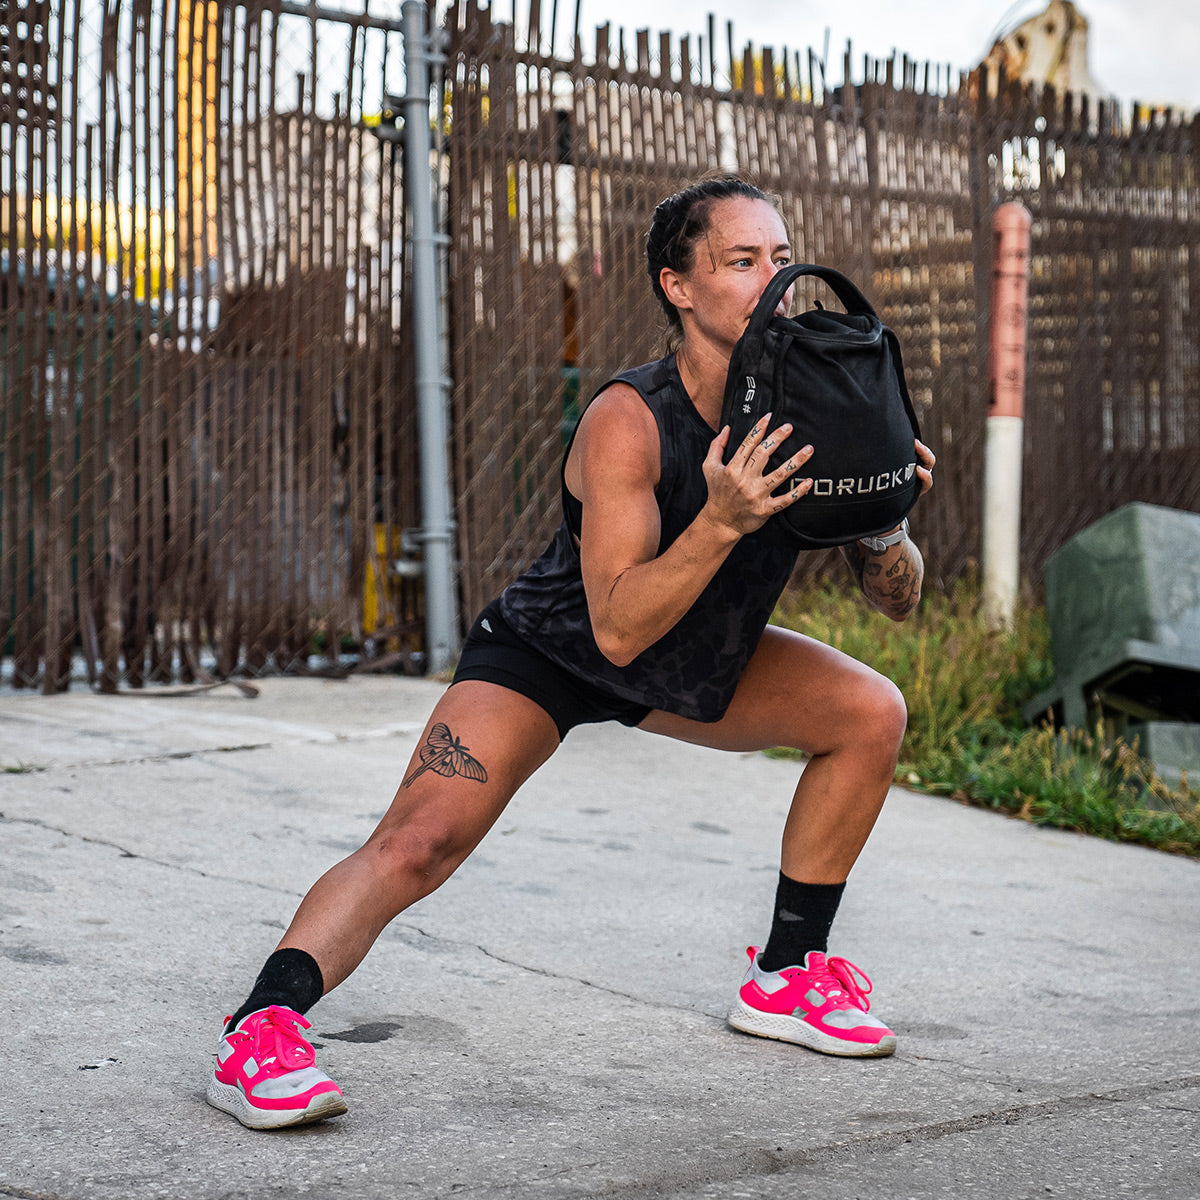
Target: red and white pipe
point(1011, 241)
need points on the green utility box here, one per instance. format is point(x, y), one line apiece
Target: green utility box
point(1123, 601)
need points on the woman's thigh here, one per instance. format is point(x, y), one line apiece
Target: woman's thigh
point(795, 692)
point(480, 744)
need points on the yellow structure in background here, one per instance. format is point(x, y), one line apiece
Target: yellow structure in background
point(392, 578)
point(379, 607)
point(141, 244)
point(135, 241)
point(198, 49)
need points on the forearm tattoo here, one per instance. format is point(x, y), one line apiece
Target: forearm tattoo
point(891, 581)
point(444, 754)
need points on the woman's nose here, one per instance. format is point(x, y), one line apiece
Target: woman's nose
point(785, 305)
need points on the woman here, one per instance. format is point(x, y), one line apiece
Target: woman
point(649, 607)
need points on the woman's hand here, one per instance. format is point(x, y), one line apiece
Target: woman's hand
point(741, 492)
point(925, 465)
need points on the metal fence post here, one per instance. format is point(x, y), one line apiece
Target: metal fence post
point(432, 383)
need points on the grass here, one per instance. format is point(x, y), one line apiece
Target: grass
point(965, 683)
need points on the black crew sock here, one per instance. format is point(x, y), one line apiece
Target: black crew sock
point(290, 978)
point(803, 914)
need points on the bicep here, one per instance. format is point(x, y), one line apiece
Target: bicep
point(614, 473)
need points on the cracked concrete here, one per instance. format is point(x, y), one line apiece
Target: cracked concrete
point(551, 1023)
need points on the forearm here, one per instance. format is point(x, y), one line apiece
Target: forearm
point(635, 594)
point(890, 580)
point(648, 599)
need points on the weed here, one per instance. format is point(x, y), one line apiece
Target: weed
point(964, 683)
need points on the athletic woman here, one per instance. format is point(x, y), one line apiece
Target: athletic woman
point(650, 607)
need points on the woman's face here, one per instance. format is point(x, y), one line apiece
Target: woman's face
point(745, 245)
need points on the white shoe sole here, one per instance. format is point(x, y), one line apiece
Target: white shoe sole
point(791, 1029)
point(229, 1098)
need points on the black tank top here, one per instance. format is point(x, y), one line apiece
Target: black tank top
point(693, 669)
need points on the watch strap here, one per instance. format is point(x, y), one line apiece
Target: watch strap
point(880, 544)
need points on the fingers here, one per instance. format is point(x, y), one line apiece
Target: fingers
point(742, 492)
point(751, 441)
point(786, 470)
point(773, 440)
point(796, 489)
point(758, 444)
point(926, 461)
point(757, 449)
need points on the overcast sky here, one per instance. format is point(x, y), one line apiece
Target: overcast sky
point(1146, 50)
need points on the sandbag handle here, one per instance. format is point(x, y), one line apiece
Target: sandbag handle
point(856, 303)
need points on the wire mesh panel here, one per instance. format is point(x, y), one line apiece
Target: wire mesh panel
point(508, 295)
point(207, 405)
point(1113, 407)
point(207, 399)
point(891, 176)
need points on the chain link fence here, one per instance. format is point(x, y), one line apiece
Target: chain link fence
point(891, 176)
point(207, 423)
point(207, 415)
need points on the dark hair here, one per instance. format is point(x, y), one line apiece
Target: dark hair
point(679, 222)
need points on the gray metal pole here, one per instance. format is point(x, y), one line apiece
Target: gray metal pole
point(433, 385)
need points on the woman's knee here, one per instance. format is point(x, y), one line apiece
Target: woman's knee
point(883, 715)
point(419, 853)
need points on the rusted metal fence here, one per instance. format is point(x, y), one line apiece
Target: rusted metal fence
point(208, 427)
point(893, 179)
point(1113, 390)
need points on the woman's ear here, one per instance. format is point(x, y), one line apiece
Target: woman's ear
point(675, 288)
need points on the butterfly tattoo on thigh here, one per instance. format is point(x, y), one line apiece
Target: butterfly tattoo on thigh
point(444, 754)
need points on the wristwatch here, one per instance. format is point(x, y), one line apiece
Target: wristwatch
point(880, 544)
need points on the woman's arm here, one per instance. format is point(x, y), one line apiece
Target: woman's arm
point(891, 579)
point(635, 595)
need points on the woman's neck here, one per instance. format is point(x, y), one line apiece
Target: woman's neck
point(702, 370)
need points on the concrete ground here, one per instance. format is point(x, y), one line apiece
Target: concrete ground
point(551, 1023)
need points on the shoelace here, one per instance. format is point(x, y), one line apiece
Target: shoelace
point(844, 975)
point(277, 1037)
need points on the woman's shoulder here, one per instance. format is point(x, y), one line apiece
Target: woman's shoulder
point(617, 435)
point(637, 412)
point(618, 413)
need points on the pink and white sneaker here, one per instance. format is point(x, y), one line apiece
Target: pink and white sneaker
point(821, 1005)
point(265, 1075)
